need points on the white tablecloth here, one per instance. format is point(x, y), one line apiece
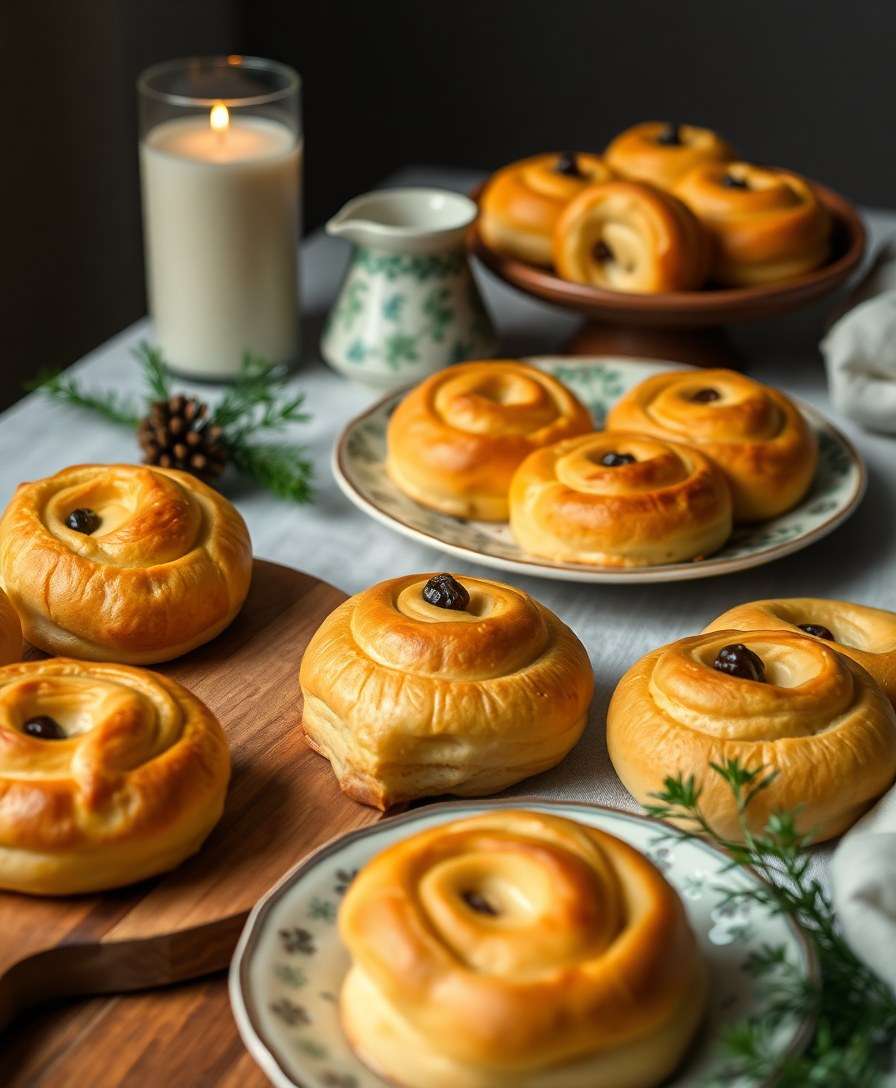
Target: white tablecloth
point(333, 540)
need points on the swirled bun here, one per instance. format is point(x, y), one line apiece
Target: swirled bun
point(756, 435)
point(619, 499)
point(518, 950)
point(160, 565)
point(628, 236)
point(108, 775)
point(10, 632)
point(662, 153)
point(521, 202)
point(410, 699)
point(767, 225)
point(817, 719)
point(867, 635)
point(456, 440)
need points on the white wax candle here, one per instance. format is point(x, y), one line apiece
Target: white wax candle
point(221, 230)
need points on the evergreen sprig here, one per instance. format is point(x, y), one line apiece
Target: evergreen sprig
point(254, 405)
point(853, 1008)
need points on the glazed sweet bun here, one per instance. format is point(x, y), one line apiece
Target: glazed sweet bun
point(756, 435)
point(661, 153)
point(521, 202)
point(619, 499)
point(123, 562)
point(425, 685)
point(518, 950)
point(108, 775)
point(10, 632)
point(628, 236)
point(456, 440)
point(767, 225)
point(776, 699)
point(867, 635)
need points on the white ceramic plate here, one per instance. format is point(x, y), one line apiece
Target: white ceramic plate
point(289, 964)
point(359, 467)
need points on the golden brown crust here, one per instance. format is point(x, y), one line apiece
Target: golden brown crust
point(409, 700)
point(10, 632)
point(640, 153)
point(584, 962)
point(521, 202)
point(630, 236)
point(820, 721)
point(767, 226)
point(167, 569)
point(867, 635)
point(755, 434)
point(669, 505)
point(456, 440)
point(133, 788)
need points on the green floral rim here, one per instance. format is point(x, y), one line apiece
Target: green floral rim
point(359, 468)
point(301, 945)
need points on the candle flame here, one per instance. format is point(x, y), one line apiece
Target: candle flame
point(219, 117)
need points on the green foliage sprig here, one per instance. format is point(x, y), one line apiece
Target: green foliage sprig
point(253, 406)
point(854, 1009)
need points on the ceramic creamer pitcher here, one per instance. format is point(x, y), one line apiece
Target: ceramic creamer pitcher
point(409, 304)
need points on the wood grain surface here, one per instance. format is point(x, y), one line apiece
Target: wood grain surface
point(283, 801)
point(178, 1037)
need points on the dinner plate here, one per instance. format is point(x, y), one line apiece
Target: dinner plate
point(289, 965)
point(359, 465)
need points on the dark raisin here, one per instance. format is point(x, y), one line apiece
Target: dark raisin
point(732, 182)
point(83, 521)
point(670, 135)
point(44, 727)
point(568, 163)
point(737, 660)
point(817, 629)
point(602, 253)
point(446, 592)
point(479, 903)
point(706, 396)
point(614, 459)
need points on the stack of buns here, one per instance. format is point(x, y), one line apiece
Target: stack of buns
point(667, 208)
point(684, 456)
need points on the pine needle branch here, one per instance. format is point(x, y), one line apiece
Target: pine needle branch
point(855, 1010)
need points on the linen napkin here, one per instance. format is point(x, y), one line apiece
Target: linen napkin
point(860, 348)
point(863, 875)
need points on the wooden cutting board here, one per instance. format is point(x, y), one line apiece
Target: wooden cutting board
point(283, 801)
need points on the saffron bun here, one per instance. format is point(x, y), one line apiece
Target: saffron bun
point(161, 564)
point(10, 632)
point(518, 950)
point(818, 720)
point(456, 439)
point(662, 153)
point(129, 782)
point(867, 635)
point(661, 503)
point(628, 236)
point(767, 225)
point(520, 204)
point(755, 434)
point(408, 699)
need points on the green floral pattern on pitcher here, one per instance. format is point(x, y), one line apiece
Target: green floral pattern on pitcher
point(401, 316)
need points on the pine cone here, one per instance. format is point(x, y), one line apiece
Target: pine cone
point(177, 434)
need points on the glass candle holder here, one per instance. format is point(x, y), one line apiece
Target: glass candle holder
point(220, 169)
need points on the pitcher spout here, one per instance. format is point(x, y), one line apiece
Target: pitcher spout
point(405, 220)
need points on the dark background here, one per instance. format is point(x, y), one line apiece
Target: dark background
point(806, 83)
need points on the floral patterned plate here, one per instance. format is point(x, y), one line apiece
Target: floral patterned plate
point(288, 967)
point(359, 467)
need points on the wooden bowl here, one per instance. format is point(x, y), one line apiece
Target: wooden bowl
point(689, 309)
